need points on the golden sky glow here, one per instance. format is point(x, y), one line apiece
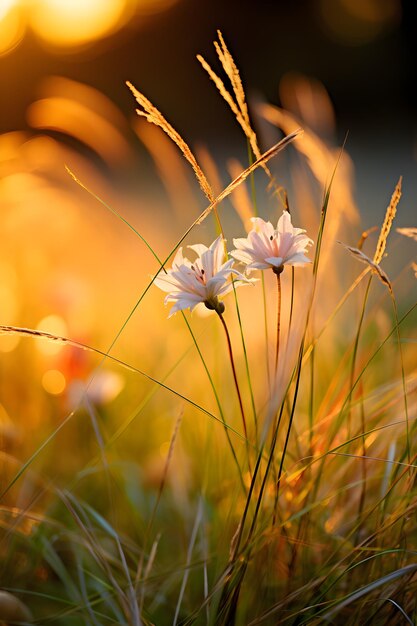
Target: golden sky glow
point(69, 23)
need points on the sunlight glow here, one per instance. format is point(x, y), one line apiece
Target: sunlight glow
point(11, 26)
point(70, 23)
point(76, 21)
point(56, 326)
point(5, 6)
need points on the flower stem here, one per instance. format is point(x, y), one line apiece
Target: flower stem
point(278, 320)
point(232, 362)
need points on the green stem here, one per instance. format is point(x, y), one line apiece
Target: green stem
point(292, 299)
point(219, 406)
point(403, 378)
point(268, 372)
point(255, 210)
point(311, 405)
point(232, 362)
point(246, 360)
point(355, 352)
point(287, 438)
point(278, 321)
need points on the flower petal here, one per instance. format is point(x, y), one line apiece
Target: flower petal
point(188, 284)
point(276, 261)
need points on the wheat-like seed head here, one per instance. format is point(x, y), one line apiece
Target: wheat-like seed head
point(238, 105)
point(232, 72)
point(386, 226)
point(244, 123)
point(154, 116)
point(374, 267)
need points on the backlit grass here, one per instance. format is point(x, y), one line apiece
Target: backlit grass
point(162, 471)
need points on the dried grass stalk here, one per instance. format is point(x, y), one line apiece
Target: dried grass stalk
point(374, 267)
point(386, 226)
point(244, 175)
point(232, 72)
point(238, 105)
point(154, 116)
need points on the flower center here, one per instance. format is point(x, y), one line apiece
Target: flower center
point(199, 274)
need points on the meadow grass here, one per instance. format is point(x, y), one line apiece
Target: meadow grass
point(259, 466)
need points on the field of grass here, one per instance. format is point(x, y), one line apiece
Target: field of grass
point(252, 465)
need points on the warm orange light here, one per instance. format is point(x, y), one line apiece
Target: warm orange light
point(53, 381)
point(8, 343)
point(67, 22)
point(56, 326)
point(70, 23)
point(5, 7)
point(11, 26)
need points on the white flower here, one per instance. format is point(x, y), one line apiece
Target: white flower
point(204, 280)
point(265, 247)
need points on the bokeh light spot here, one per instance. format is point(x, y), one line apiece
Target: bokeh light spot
point(70, 23)
point(76, 21)
point(354, 23)
point(53, 381)
point(54, 325)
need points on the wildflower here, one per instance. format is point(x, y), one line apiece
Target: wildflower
point(204, 280)
point(265, 247)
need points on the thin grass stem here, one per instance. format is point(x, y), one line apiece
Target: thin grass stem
point(219, 406)
point(311, 402)
point(246, 361)
point(265, 320)
point(290, 422)
point(355, 351)
point(277, 346)
point(403, 378)
point(232, 363)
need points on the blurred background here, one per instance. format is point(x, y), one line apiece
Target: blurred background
point(361, 51)
point(70, 267)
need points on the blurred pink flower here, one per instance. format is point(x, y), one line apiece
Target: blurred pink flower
point(265, 247)
point(204, 280)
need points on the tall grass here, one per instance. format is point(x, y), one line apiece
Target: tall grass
point(220, 486)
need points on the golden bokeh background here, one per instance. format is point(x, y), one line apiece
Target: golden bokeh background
point(64, 255)
point(69, 23)
point(86, 184)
